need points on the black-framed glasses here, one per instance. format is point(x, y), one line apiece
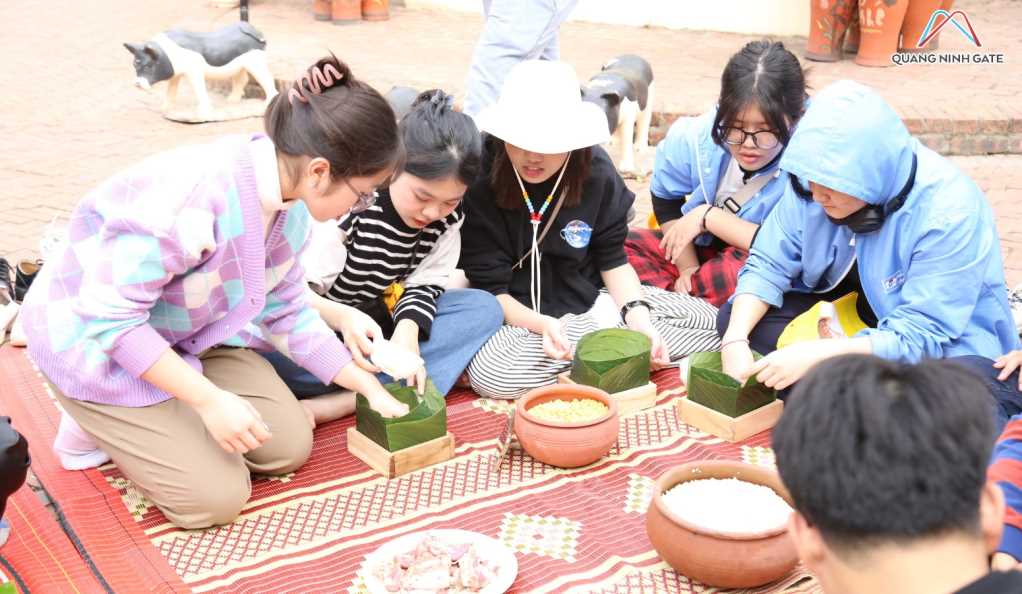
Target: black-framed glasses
point(764, 139)
point(365, 199)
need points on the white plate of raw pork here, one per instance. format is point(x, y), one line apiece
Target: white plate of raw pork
point(441, 561)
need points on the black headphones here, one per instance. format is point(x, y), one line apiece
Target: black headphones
point(872, 216)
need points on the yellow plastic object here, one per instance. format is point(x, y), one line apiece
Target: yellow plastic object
point(824, 320)
point(652, 223)
point(391, 295)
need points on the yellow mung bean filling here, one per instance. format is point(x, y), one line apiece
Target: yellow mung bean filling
point(569, 411)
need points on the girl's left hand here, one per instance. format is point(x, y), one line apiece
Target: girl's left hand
point(682, 233)
point(638, 320)
point(1008, 364)
point(786, 366)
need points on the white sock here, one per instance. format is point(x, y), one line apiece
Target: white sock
point(75, 448)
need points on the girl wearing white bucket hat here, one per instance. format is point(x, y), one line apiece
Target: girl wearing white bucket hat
point(544, 232)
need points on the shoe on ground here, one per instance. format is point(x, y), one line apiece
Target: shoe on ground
point(6, 287)
point(24, 274)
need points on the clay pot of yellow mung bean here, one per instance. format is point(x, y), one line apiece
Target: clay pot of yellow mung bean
point(566, 425)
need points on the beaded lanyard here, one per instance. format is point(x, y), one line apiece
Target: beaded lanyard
point(535, 283)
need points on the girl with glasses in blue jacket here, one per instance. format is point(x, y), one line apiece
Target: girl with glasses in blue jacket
point(716, 178)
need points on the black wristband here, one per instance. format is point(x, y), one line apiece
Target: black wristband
point(633, 304)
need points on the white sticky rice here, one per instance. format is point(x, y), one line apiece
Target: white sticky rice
point(727, 505)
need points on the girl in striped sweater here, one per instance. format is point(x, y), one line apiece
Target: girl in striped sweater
point(180, 268)
point(411, 236)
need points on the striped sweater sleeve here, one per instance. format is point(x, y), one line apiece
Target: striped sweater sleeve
point(429, 279)
point(1007, 471)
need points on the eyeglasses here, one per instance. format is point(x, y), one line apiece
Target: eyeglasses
point(764, 139)
point(365, 199)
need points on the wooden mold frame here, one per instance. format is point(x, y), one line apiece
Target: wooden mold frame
point(730, 429)
point(392, 464)
point(628, 401)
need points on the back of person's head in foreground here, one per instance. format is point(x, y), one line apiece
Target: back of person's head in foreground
point(887, 461)
point(336, 138)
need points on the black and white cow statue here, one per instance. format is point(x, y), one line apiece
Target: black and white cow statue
point(623, 89)
point(233, 52)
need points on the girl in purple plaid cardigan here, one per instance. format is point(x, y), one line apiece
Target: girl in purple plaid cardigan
point(180, 268)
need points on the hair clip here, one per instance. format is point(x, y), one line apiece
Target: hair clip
point(317, 80)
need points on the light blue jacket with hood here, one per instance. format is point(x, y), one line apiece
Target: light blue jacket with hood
point(688, 163)
point(932, 273)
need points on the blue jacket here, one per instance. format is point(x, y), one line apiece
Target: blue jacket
point(689, 163)
point(932, 273)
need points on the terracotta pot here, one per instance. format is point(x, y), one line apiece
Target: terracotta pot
point(346, 12)
point(566, 445)
point(879, 30)
point(375, 10)
point(722, 560)
point(918, 14)
point(321, 10)
point(828, 23)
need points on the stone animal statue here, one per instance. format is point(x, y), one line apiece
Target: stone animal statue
point(623, 89)
point(401, 100)
point(233, 52)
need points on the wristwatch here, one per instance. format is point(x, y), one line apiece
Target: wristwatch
point(632, 304)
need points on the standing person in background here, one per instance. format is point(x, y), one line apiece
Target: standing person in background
point(513, 30)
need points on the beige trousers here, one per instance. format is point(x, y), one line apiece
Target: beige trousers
point(165, 450)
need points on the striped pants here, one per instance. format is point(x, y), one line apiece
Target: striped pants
point(512, 361)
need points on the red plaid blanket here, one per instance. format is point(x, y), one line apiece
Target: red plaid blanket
point(715, 281)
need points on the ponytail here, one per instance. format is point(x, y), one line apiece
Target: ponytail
point(329, 113)
point(440, 142)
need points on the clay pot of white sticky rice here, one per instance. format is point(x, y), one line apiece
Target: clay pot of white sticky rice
point(722, 523)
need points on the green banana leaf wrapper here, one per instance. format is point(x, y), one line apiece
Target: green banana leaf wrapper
point(426, 418)
point(613, 360)
point(710, 386)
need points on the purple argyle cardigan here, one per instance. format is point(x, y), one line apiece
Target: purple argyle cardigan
point(172, 253)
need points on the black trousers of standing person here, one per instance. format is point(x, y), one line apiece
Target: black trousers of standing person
point(14, 461)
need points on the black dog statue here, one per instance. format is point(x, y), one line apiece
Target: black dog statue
point(233, 52)
point(624, 91)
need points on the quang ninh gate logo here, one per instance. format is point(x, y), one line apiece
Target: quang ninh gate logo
point(939, 20)
point(933, 27)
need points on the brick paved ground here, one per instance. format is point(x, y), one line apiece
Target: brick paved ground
point(72, 117)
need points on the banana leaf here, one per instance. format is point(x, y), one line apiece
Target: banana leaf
point(613, 360)
point(710, 386)
point(426, 419)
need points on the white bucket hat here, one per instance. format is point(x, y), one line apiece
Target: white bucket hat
point(540, 110)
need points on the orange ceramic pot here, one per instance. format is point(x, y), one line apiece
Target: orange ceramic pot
point(346, 12)
point(879, 30)
point(722, 560)
point(828, 23)
point(375, 10)
point(321, 9)
point(566, 445)
point(918, 14)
